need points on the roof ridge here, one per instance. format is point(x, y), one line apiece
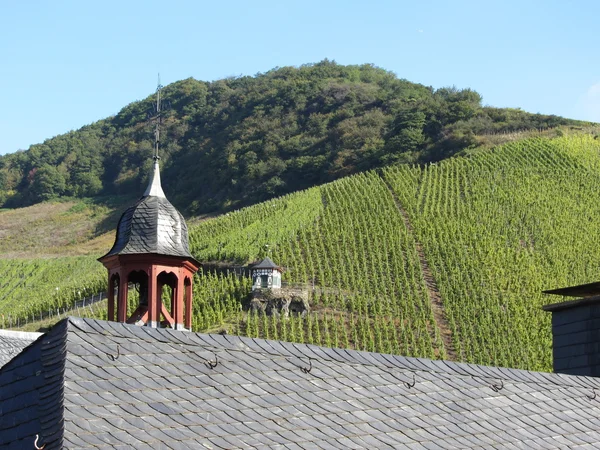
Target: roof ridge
point(312, 352)
point(29, 335)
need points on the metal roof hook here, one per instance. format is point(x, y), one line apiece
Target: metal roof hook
point(35, 444)
point(593, 396)
point(410, 385)
point(307, 369)
point(212, 364)
point(498, 387)
point(113, 357)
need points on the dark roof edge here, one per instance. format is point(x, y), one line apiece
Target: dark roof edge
point(266, 263)
point(25, 349)
point(52, 347)
point(581, 290)
point(572, 304)
point(305, 351)
point(187, 258)
point(54, 358)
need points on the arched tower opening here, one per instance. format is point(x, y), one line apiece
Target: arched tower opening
point(187, 302)
point(137, 297)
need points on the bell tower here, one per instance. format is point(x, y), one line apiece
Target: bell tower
point(151, 254)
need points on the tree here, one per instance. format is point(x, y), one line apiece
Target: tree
point(48, 182)
point(457, 104)
point(408, 135)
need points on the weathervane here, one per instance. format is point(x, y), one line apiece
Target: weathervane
point(156, 120)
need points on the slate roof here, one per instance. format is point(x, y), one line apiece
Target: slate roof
point(152, 225)
point(13, 342)
point(266, 263)
point(124, 386)
point(582, 290)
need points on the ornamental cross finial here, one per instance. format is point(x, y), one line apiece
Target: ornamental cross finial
point(157, 118)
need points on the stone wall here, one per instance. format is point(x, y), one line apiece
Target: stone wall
point(280, 302)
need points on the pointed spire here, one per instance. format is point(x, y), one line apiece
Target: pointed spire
point(154, 187)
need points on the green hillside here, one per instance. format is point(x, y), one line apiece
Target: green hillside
point(239, 141)
point(444, 260)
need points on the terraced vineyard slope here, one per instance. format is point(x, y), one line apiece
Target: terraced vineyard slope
point(30, 289)
point(499, 228)
point(447, 260)
point(495, 230)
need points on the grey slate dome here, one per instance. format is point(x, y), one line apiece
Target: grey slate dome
point(266, 263)
point(152, 225)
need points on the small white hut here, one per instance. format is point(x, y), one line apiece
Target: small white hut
point(266, 275)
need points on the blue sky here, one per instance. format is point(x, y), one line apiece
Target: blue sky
point(64, 64)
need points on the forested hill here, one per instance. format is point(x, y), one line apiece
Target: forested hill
point(241, 140)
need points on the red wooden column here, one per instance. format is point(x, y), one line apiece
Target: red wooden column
point(153, 298)
point(178, 308)
point(122, 301)
point(111, 297)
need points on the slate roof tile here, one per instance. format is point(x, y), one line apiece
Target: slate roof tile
point(13, 342)
point(584, 447)
point(160, 390)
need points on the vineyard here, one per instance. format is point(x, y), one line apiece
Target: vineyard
point(29, 288)
point(347, 244)
point(500, 227)
point(494, 228)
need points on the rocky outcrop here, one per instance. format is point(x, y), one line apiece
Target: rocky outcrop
point(280, 302)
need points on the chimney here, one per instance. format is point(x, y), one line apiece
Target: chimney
point(576, 330)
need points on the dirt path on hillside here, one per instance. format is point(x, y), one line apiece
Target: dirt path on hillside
point(437, 306)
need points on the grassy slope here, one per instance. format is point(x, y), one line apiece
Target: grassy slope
point(65, 228)
point(495, 228)
point(48, 252)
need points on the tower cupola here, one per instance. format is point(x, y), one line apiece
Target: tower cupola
point(151, 252)
point(151, 255)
